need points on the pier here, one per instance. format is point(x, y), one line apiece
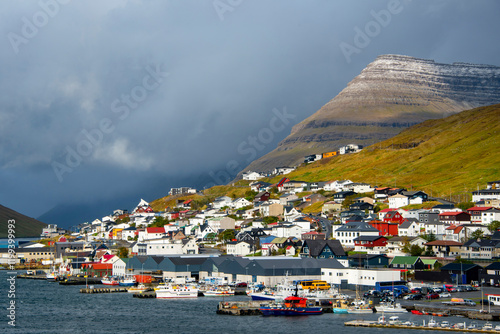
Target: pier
point(103, 290)
point(364, 323)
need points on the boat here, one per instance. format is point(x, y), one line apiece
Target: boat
point(445, 324)
point(417, 312)
point(381, 320)
point(472, 325)
point(341, 306)
point(138, 289)
point(219, 291)
point(291, 306)
point(394, 320)
point(390, 308)
point(127, 281)
point(52, 276)
point(432, 323)
point(487, 327)
point(176, 291)
point(359, 309)
point(109, 280)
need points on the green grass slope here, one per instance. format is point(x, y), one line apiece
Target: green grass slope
point(444, 157)
point(25, 226)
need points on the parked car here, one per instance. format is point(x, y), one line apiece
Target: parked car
point(416, 290)
point(437, 290)
point(432, 296)
point(416, 296)
point(485, 302)
point(241, 285)
point(445, 295)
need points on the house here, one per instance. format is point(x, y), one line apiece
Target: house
point(462, 273)
point(259, 186)
point(362, 206)
point(239, 203)
point(143, 207)
point(359, 188)
point(181, 190)
point(346, 233)
point(331, 206)
point(476, 213)
point(263, 196)
point(444, 248)
point(340, 196)
point(407, 262)
point(153, 233)
point(275, 210)
point(316, 186)
point(287, 231)
point(437, 228)
point(351, 148)
point(322, 249)
point(381, 193)
point(252, 176)
point(385, 228)
point(294, 186)
point(283, 170)
point(410, 227)
point(290, 213)
point(395, 245)
point(287, 199)
point(480, 249)
point(168, 246)
point(415, 197)
point(491, 274)
point(428, 217)
point(454, 217)
point(393, 217)
point(368, 261)
point(398, 201)
point(238, 248)
point(221, 202)
point(481, 195)
point(373, 244)
point(490, 215)
point(313, 235)
point(313, 198)
point(454, 233)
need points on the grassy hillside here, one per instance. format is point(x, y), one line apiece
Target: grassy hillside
point(453, 156)
point(25, 226)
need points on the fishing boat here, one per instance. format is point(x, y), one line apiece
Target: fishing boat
point(138, 289)
point(291, 306)
point(52, 276)
point(390, 308)
point(487, 327)
point(394, 320)
point(359, 309)
point(432, 323)
point(341, 306)
point(127, 281)
point(109, 280)
point(176, 291)
point(219, 291)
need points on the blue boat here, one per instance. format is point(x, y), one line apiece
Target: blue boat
point(291, 306)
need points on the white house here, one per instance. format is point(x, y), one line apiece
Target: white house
point(221, 202)
point(240, 203)
point(395, 244)
point(287, 231)
point(409, 228)
point(169, 246)
point(152, 233)
point(359, 188)
point(283, 170)
point(398, 201)
point(489, 215)
point(238, 248)
point(119, 268)
point(252, 176)
point(358, 277)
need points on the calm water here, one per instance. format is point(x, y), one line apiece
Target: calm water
point(47, 307)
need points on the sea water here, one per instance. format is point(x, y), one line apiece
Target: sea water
point(47, 307)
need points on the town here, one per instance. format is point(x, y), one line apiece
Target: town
point(360, 237)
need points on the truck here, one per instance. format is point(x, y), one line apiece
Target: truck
point(460, 301)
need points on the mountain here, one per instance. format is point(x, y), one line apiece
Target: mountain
point(24, 226)
point(447, 157)
point(392, 93)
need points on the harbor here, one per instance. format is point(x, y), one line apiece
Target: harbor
point(366, 323)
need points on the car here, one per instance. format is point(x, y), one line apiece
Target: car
point(416, 290)
point(437, 290)
point(469, 302)
point(445, 295)
point(485, 302)
point(432, 296)
point(416, 296)
point(241, 285)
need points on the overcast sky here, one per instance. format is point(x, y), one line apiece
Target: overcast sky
point(124, 99)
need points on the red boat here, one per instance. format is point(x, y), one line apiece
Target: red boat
point(109, 281)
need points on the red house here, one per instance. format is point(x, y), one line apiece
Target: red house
point(369, 242)
point(393, 217)
point(454, 217)
point(385, 228)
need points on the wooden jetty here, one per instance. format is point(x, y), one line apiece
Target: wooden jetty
point(364, 323)
point(24, 276)
point(240, 308)
point(103, 290)
point(145, 294)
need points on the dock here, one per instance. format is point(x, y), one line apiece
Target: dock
point(24, 276)
point(240, 308)
point(364, 323)
point(103, 290)
point(146, 294)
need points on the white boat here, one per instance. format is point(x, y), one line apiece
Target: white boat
point(127, 281)
point(432, 323)
point(394, 320)
point(219, 291)
point(109, 280)
point(445, 324)
point(381, 320)
point(390, 308)
point(176, 291)
point(138, 289)
point(52, 276)
point(359, 309)
point(487, 327)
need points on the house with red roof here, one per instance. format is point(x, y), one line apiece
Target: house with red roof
point(476, 212)
point(444, 248)
point(313, 235)
point(454, 217)
point(454, 233)
point(372, 244)
point(154, 233)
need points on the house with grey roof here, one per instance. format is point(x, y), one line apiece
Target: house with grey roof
point(322, 249)
point(346, 233)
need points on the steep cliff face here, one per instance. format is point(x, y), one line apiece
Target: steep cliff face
point(390, 94)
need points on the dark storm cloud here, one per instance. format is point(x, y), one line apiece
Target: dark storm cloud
point(228, 68)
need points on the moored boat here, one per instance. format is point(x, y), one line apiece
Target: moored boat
point(390, 308)
point(176, 291)
point(127, 281)
point(109, 280)
point(291, 306)
point(218, 291)
point(138, 289)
